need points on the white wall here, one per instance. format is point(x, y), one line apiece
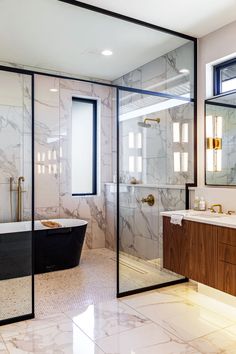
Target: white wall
point(216, 47)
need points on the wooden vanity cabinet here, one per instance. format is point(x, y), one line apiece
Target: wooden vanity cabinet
point(227, 260)
point(202, 252)
point(175, 247)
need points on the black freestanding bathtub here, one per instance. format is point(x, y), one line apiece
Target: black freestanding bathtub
point(60, 248)
point(54, 249)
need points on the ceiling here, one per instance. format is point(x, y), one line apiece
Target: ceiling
point(57, 36)
point(193, 17)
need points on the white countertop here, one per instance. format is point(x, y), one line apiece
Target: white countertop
point(205, 217)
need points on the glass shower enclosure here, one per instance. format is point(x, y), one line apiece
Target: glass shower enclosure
point(155, 161)
point(16, 210)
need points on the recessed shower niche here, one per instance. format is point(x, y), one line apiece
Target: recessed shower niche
point(139, 139)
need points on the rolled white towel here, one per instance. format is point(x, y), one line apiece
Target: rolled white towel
point(176, 219)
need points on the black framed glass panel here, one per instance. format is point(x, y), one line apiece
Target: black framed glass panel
point(16, 274)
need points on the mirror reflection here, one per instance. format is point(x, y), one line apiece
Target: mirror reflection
point(220, 128)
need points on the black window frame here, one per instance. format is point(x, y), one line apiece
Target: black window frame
point(94, 162)
point(217, 76)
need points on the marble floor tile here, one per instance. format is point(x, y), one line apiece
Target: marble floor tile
point(150, 298)
point(38, 323)
point(149, 339)
point(63, 338)
point(3, 348)
point(211, 304)
point(105, 319)
point(184, 319)
point(219, 342)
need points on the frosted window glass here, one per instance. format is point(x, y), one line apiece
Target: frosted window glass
point(82, 147)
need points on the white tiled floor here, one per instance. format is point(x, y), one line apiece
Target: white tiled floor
point(171, 320)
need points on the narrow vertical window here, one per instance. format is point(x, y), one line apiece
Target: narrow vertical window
point(84, 146)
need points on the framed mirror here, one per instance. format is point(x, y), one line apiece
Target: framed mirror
point(220, 139)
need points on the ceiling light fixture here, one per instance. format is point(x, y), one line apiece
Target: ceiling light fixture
point(53, 90)
point(107, 52)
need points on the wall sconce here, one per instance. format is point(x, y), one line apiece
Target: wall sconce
point(214, 143)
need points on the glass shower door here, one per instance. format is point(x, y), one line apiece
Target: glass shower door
point(16, 276)
point(150, 180)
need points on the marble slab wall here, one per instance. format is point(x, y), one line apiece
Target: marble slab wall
point(140, 224)
point(158, 148)
point(165, 73)
point(53, 153)
point(15, 143)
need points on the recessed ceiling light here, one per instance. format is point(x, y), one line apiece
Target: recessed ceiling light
point(53, 90)
point(184, 71)
point(107, 52)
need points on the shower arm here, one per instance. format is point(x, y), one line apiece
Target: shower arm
point(157, 120)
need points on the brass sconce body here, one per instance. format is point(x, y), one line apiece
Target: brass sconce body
point(214, 143)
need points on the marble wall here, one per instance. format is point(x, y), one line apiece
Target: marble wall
point(165, 73)
point(148, 155)
point(15, 142)
point(141, 224)
point(53, 153)
point(158, 148)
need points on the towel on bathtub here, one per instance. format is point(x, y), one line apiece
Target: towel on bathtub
point(176, 219)
point(51, 224)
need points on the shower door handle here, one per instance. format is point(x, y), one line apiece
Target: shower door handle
point(150, 200)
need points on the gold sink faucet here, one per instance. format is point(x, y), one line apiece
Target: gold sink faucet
point(220, 211)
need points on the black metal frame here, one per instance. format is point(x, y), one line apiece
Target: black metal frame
point(217, 82)
point(117, 87)
point(32, 314)
point(93, 102)
point(145, 92)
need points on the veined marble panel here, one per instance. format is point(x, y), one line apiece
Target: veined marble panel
point(16, 139)
point(53, 136)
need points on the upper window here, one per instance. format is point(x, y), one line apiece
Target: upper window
point(84, 146)
point(225, 77)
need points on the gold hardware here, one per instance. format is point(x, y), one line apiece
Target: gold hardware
point(19, 198)
point(230, 212)
point(19, 191)
point(214, 144)
point(216, 205)
point(218, 144)
point(209, 143)
point(150, 200)
point(157, 120)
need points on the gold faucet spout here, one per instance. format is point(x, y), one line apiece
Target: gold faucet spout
point(220, 210)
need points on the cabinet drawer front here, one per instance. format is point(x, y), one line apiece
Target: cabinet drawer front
point(227, 236)
point(227, 253)
point(227, 278)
